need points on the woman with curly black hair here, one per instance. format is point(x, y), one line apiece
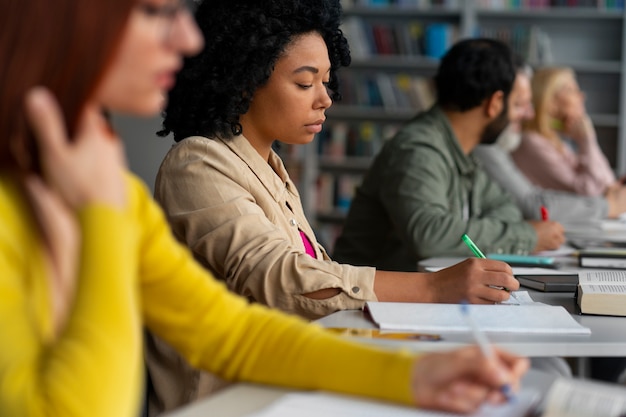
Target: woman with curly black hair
point(267, 73)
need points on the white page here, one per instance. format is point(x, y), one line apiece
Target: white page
point(564, 250)
point(613, 225)
point(426, 317)
point(575, 397)
point(604, 289)
point(520, 298)
point(603, 277)
point(318, 404)
point(518, 270)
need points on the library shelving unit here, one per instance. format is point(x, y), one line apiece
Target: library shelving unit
point(395, 47)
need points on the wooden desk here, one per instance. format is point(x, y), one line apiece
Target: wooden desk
point(243, 399)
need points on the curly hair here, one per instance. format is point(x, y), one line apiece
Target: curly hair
point(244, 39)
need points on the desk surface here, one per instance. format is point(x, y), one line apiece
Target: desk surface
point(608, 334)
point(607, 338)
point(242, 399)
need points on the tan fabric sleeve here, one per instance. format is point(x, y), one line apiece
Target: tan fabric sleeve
point(237, 228)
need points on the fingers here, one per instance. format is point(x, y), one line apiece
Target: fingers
point(40, 197)
point(504, 280)
point(490, 295)
point(494, 372)
point(516, 366)
point(463, 379)
point(462, 397)
point(45, 119)
point(489, 281)
point(550, 234)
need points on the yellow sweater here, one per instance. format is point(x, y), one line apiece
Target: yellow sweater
point(134, 273)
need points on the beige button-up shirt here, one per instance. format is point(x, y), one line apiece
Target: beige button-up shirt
point(242, 216)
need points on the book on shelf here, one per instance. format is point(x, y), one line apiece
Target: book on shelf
point(388, 91)
point(438, 38)
point(546, 4)
point(411, 38)
point(335, 192)
point(418, 4)
point(340, 139)
point(602, 292)
point(602, 258)
point(530, 42)
point(384, 39)
point(355, 31)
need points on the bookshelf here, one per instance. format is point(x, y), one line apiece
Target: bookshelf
point(388, 80)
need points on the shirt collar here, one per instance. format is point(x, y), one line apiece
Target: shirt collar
point(466, 164)
point(271, 173)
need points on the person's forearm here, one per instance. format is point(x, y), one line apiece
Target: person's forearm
point(402, 287)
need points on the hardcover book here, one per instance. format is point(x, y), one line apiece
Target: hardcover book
point(602, 258)
point(602, 292)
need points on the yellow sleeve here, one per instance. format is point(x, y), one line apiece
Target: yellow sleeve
point(94, 366)
point(220, 332)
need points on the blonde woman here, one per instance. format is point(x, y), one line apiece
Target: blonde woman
point(559, 149)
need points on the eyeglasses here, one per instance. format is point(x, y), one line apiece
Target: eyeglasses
point(168, 11)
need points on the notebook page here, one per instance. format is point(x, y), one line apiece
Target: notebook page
point(521, 270)
point(425, 317)
point(316, 404)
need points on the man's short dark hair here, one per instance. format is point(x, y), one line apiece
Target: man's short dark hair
point(472, 71)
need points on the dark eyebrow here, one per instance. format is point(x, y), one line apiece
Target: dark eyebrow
point(306, 68)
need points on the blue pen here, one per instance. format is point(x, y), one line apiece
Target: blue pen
point(484, 345)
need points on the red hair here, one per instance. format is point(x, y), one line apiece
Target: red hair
point(64, 45)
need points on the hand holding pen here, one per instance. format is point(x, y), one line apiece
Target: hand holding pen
point(461, 380)
point(488, 352)
point(513, 285)
point(470, 280)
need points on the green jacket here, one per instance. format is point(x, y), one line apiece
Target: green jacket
point(419, 197)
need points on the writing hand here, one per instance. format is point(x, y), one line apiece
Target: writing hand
point(462, 380)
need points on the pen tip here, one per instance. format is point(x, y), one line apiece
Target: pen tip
point(508, 393)
point(464, 306)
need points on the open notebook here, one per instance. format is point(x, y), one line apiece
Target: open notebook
point(317, 404)
point(566, 397)
point(424, 317)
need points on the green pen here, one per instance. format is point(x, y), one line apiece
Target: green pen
point(470, 244)
point(479, 254)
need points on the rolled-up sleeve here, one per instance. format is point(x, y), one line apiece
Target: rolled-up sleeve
point(211, 200)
